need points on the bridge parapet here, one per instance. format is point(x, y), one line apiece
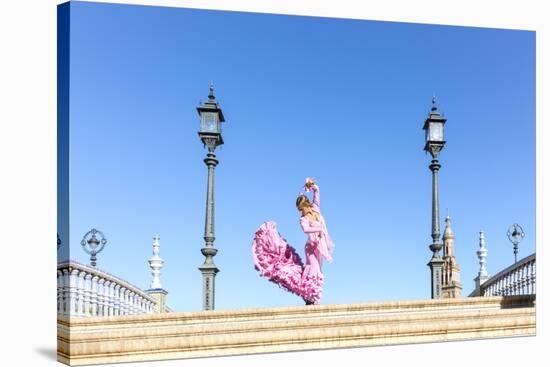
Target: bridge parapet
point(517, 279)
point(85, 291)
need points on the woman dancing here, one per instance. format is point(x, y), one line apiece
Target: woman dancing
point(276, 260)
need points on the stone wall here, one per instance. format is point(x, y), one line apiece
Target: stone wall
point(263, 330)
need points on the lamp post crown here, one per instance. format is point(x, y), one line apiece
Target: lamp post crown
point(434, 113)
point(211, 119)
point(211, 105)
point(211, 94)
point(434, 131)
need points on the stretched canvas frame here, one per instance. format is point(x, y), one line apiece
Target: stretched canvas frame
point(263, 329)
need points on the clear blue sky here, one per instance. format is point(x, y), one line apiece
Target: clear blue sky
point(339, 100)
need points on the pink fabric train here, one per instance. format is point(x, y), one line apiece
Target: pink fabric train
point(279, 262)
point(276, 260)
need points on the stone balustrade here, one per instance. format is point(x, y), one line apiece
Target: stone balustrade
point(517, 279)
point(101, 340)
point(84, 291)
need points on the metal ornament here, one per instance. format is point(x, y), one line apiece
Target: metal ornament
point(515, 235)
point(95, 245)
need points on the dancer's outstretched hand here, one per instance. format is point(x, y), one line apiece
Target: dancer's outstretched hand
point(309, 183)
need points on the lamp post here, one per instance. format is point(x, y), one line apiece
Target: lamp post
point(211, 118)
point(433, 126)
point(94, 244)
point(515, 235)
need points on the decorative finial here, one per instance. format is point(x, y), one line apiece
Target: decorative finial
point(434, 108)
point(448, 230)
point(447, 219)
point(156, 263)
point(482, 255)
point(156, 245)
point(211, 94)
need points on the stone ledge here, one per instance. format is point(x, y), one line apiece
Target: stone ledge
point(218, 333)
point(202, 317)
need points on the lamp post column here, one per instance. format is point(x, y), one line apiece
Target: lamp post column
point(209, 269)
point(436, 262)
point(434, 167)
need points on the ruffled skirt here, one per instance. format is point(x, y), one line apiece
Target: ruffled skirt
point(279, 262)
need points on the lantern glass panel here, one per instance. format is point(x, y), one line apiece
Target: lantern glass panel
point(209, 122)
point(435, 131)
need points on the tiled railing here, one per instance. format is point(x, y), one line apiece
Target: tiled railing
point(87, 291)
point(517, 279)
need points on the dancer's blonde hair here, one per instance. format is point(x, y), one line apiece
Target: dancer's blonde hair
point(302, 201)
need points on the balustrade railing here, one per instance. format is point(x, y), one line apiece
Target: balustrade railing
point(517, 279)
point(87, 291)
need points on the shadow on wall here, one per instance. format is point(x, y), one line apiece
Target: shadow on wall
point(518, 301)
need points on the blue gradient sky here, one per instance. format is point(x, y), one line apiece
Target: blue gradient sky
point(340, 100)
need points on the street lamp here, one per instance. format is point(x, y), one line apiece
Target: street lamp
point(92, 245)
point(211, 118)
point(515, 235)
point(433, 127)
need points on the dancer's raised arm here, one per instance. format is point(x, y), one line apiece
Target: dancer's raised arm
point(316, 200)
point(312, 185)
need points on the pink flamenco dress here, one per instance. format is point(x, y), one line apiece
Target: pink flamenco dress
point(279, 262)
